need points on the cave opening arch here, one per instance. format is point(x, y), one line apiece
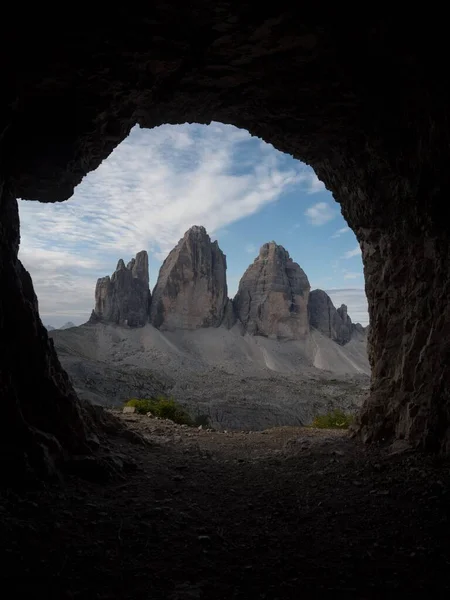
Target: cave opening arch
point(363, 106)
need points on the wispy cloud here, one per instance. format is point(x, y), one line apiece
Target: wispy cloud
point(356, 251)
point(320, 213)
point(351, 275)
point(151, 189)
point(340, 232)
point(64, 281)
point(251, 249)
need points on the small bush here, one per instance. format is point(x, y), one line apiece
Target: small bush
point(165, 408)
point(142, 406)
point(335, 419)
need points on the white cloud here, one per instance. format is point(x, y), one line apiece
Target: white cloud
point(251, 248)
point(340, 232)
point(350, 275)
point(151, 189)
point(64, 281)
point(351, 253)
point(320, 213)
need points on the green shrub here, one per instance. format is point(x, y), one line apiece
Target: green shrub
point(142, 406)
point(335, 419)
point(165, 408)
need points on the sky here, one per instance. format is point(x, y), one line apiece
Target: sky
point(159, 182)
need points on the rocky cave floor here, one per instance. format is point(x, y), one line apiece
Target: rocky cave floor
point(284, 513)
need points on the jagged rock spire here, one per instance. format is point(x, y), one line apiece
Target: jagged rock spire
point(191, 290)
point(124, 298)
point(273, 293)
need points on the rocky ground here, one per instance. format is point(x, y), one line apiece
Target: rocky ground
point(239, 382)
point(277, 514)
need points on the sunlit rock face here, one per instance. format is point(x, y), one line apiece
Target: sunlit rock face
point(124, 298)
point(191, 291)
point(272, 298)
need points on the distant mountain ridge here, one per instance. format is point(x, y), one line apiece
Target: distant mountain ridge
point(274, 297)
point(67, 325)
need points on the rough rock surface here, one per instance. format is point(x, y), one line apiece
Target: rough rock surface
point(229, 315)
point(191, 290)
point(347, 325)
point(272, 298)
point(42, 416)
point(366, 106)
point(124, 298)
point(332, 322)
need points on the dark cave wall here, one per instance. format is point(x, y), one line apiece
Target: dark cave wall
point(396, 212)
point(42, 420)
point(408, 287)
point(366, 105)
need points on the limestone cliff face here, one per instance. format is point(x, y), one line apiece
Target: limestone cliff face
point(322, 313)
point(346, 329)
point(124, 298)
point(273, 293)
point(334, 323)
point(191, 291)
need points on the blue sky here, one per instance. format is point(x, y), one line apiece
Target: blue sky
point(157, 184)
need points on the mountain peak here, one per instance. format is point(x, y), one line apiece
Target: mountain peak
point(332, 322)
point(273, 295)
point(124, 298)
point(191, 291)
point(273, 298)
point(196, 230)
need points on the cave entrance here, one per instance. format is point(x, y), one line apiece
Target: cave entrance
point(363, 106)
point(289, 352)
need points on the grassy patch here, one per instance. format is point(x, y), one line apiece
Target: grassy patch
point(335, 419)
point(165, 408)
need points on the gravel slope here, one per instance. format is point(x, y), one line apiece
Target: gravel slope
point(239, 381)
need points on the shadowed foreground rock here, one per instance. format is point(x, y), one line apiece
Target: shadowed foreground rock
point(364, 103)
point(42, 417)
point(280, 514)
